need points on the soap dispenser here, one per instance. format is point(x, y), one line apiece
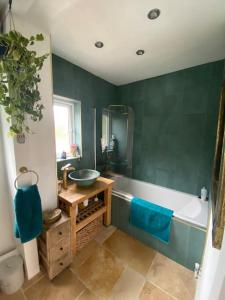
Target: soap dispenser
point(204, 193)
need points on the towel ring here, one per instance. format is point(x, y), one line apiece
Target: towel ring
point(24, 170)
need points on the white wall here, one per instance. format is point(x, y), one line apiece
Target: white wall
point(211, 284)
point(38, 152)
point(7, 242)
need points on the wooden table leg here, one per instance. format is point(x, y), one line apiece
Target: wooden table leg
point(73, 215)
point(107, 202)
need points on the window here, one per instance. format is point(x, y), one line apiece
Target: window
point(67, 127)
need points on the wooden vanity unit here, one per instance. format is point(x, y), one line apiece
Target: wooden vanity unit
point(70, 198)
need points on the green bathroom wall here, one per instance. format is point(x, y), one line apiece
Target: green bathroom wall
point(73, 82)
point(175, 126)
point(175, 120)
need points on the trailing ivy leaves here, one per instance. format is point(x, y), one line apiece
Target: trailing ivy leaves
point(19, 79)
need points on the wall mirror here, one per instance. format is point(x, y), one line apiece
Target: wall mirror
point(218, 178)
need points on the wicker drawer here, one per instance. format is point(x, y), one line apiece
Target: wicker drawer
point(86, 234)
point(58, 251)
point(59, 265)
point(59, 233)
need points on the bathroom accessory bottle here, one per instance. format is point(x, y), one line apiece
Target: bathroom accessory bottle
point(63, 155)
point(203, 193)
point(85, 202)
point(112, 142)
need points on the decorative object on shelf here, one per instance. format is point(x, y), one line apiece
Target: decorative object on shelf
point(85, 203)
point(63, 155)
point(52, 216)
point(19, 78)
point(73, 150)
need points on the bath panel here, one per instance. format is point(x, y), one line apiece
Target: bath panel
point(187, 238)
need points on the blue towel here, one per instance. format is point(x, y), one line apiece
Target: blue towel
point(152, 218)
point(28, 213)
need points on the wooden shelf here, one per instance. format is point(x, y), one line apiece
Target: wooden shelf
point(70, 198)
point(90, 213)
point(87, 211)
point(91, 218)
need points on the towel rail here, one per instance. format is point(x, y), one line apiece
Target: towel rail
point(24, 170)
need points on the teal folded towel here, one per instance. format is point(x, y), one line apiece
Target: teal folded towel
point(28, 213)
point(152, 218)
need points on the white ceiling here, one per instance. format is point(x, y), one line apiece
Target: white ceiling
point(187, 33)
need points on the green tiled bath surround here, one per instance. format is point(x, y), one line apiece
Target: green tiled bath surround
point(187, 242)
point(175, 126)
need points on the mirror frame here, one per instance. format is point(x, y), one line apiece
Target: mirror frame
point(218, 178)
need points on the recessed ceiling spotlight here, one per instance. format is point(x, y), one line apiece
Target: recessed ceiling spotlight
point(99, 44)
point(140, 52)
point(154, 14)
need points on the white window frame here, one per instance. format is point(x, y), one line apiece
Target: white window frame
point(71, 103)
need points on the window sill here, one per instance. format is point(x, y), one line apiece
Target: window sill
point(68, 158)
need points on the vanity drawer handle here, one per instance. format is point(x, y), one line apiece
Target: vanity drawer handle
point(61, 248)
point(60, 232)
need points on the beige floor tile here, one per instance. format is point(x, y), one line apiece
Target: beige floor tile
point(151, 292)
point(128, 286)
point(172, 277)
point(87, 295)
point(15, 296)
point(134, 253)
point(65, 286)
point(82, 255)
point(105, 234)
point(100, 272)
point(29, 283)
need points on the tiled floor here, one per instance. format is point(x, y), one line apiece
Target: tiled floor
point(114, 266)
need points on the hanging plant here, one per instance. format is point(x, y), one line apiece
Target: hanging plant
point(19, 79)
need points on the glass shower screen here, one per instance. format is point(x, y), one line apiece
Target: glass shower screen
point(117, 140)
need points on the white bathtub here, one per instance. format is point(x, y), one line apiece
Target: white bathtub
point(187, 208)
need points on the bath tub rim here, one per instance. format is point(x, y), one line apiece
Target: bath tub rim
point(127, 197)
